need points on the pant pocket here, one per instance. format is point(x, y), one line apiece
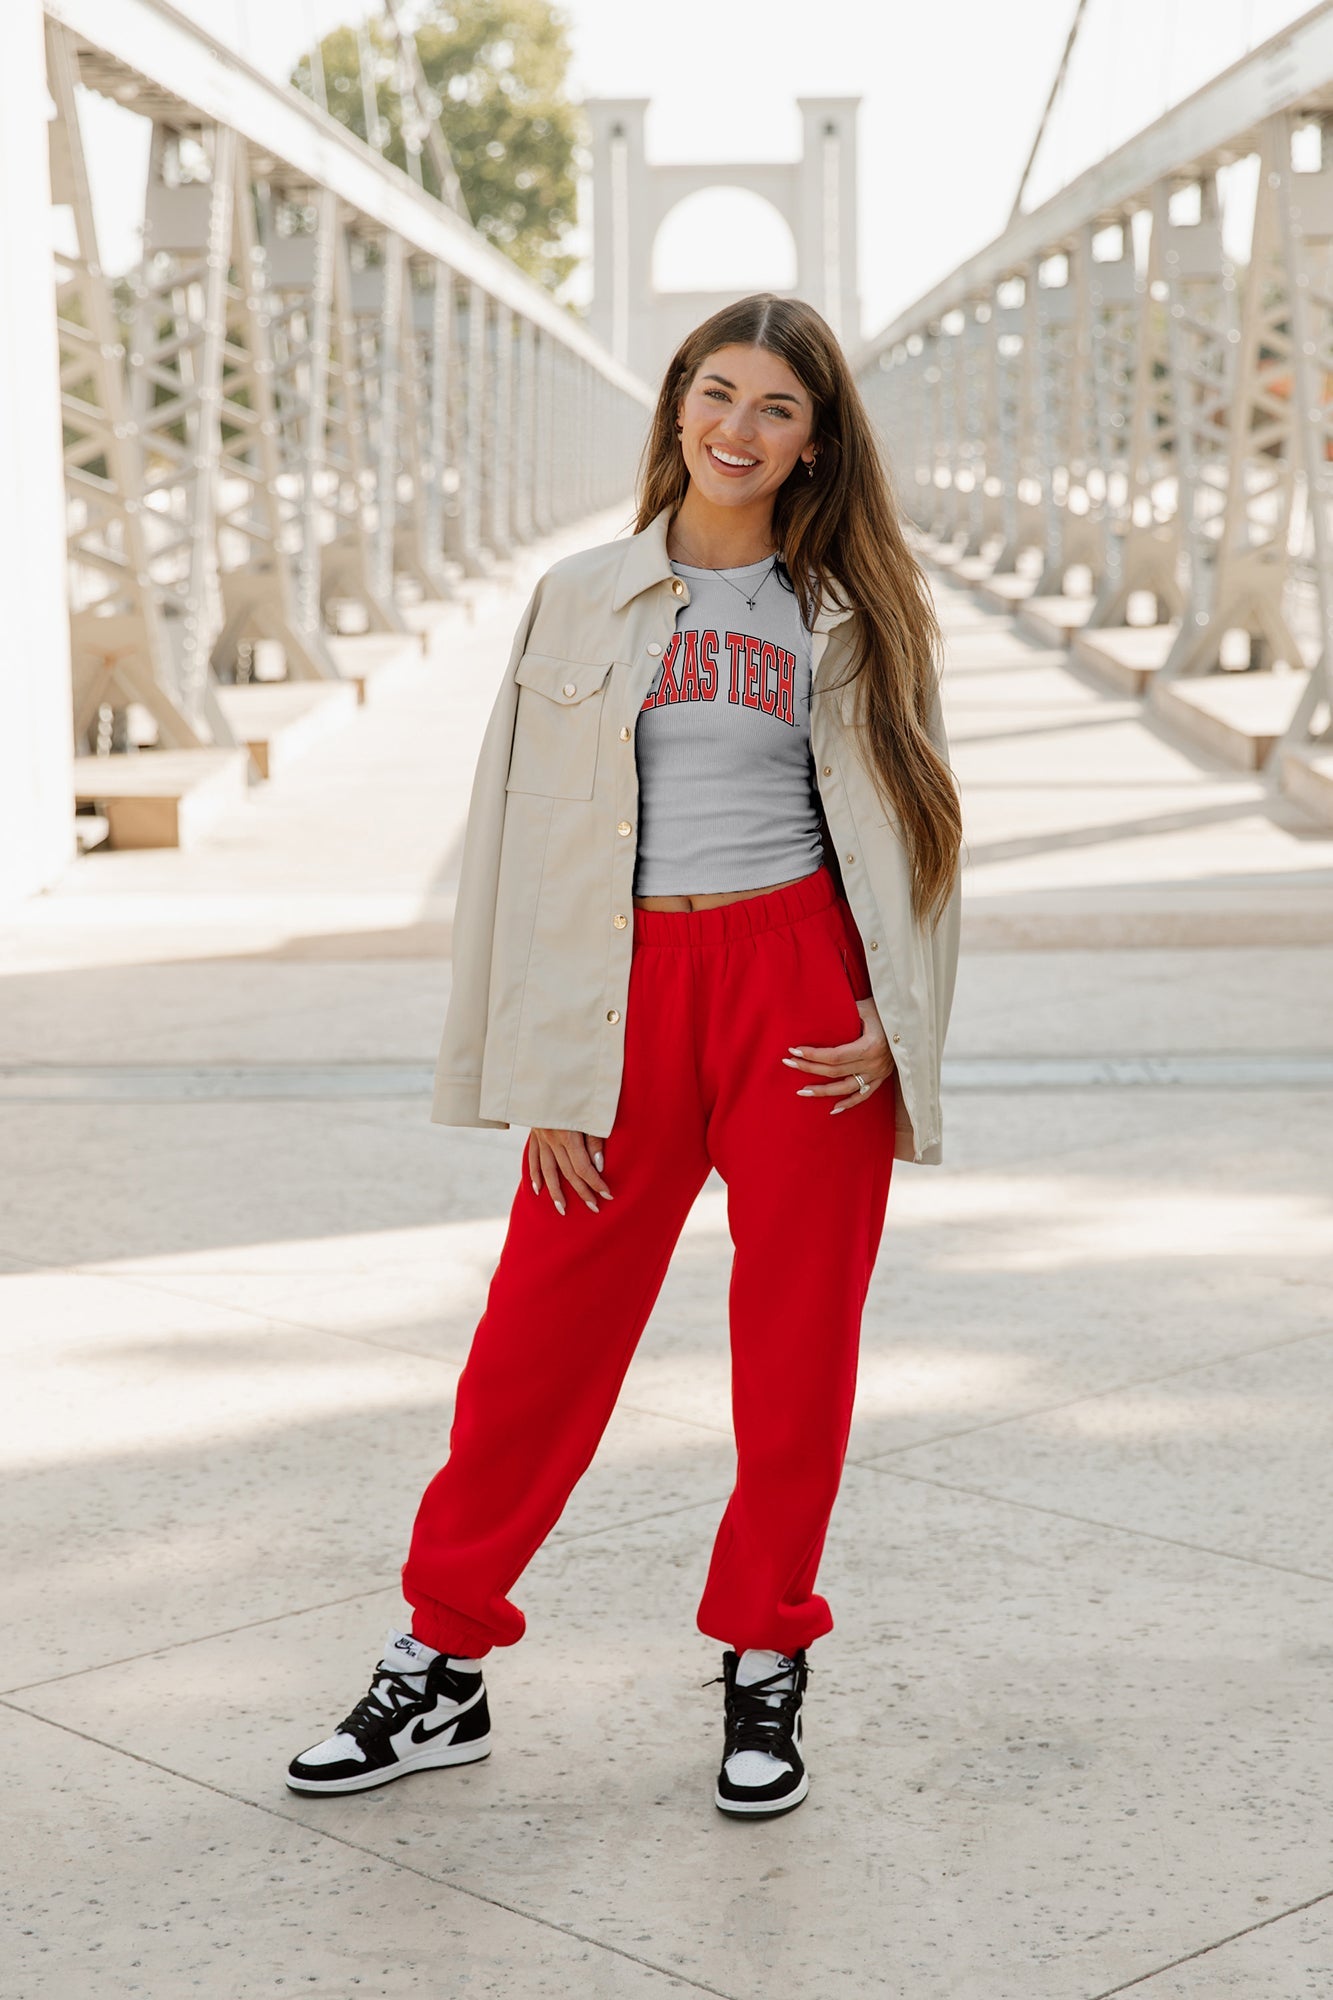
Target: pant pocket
point(853, 955)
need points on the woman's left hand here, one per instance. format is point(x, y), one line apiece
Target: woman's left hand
point(868, 1057)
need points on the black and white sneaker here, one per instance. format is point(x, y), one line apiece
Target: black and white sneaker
point(424, 1709)
point(762, 1771)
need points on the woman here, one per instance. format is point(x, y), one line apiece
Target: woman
point(706, 916)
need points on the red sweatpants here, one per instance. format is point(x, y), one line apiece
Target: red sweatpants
point(716, 998)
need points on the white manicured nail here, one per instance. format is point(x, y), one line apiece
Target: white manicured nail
point(598, 1162)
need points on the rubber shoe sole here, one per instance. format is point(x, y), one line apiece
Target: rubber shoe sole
point(421, 1760)
point(763, 1808)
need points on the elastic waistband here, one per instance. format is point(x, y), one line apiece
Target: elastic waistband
point(761, 912)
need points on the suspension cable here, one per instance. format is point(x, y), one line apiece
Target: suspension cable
point(1070, 40)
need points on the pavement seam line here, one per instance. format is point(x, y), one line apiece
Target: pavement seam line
point(160, 1287)
point(356, 1847)
point(872, 1464)
point(1091, 1521)
point(634, 1521)
point(329, 1604)
point(1095, 1395)
point(993, 1075)
point(1205, 1950)
point(199, 1639)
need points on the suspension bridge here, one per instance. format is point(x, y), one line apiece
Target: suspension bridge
point(321, 400)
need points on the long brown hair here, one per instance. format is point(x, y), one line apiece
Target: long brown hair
point(839, 536)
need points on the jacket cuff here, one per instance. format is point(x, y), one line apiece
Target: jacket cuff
point(457, 1101)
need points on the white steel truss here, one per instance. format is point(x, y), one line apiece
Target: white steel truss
point(1305, 217)
point(297, 229)
point(1017, 465)
point(330, 388)
point(1136, 436)
point(1156, 410)
point(121, 652)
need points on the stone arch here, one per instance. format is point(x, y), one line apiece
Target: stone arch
point(758, 253)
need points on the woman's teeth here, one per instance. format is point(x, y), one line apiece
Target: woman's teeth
point(727, 458)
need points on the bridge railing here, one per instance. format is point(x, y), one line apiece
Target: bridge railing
point(319, 384)
point(1119, 405)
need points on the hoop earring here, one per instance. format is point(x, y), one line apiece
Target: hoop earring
point(809, 468)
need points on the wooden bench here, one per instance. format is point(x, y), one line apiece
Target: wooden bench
point(1238, 716)
point(972, 569)
point(161, 798)
point(1007, 592)
point(1307, 776)
point(370, 662)
point(434, 617)
point(1126, 657)
point(278, 721)
point(1052, 621)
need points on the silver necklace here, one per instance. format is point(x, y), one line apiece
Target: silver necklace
point(738, 588)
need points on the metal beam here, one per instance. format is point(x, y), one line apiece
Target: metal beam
point(150, 40)
point(1222, 121)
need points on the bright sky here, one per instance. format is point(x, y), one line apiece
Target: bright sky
point(952, 91)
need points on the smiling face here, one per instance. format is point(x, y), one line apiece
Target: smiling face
point(745, 420)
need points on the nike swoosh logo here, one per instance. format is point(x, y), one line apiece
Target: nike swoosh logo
point(419, 1732)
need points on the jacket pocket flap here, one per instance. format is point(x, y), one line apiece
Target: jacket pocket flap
point(565, 681)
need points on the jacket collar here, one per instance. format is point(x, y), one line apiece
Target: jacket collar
point(645, 562)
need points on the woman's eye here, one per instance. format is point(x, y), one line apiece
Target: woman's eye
point(716, 392)
point(777, 410)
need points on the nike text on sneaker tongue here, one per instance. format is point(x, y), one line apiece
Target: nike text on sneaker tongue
point(756, 1664)
point(405, 1654)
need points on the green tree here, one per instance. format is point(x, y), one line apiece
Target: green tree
point(498, 70)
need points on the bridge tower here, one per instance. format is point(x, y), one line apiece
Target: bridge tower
point(815, 194)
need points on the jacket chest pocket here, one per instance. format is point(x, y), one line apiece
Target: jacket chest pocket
point(557, 726)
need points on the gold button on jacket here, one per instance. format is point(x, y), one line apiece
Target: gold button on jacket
point(535, 1025)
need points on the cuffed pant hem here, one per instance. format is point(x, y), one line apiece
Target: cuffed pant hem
point(451, 1632)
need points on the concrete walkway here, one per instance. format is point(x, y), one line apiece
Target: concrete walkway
point(1073, 1735)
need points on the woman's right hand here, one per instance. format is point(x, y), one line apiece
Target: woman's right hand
point(578, 1156)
